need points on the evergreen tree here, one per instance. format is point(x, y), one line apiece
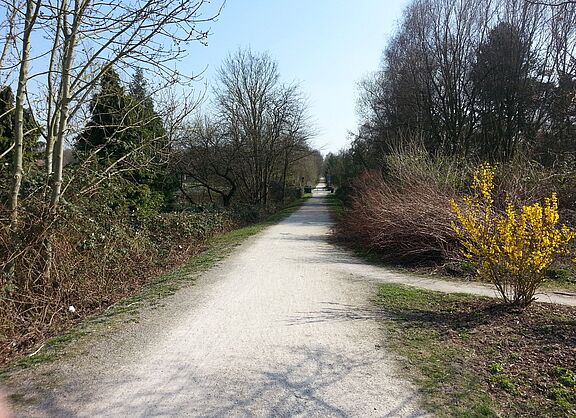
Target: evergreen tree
point(124, 127)
point(123, 123)
point(108, 129)
point(138, 89)
point(6, 118)
point(501, 74)
point(7, 133)
point(152, 132)
point(7, 127)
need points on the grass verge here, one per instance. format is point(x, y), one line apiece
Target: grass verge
point(216, 248)
point(471, 357)
point(335, 205)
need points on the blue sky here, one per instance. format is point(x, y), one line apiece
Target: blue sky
point(326, 46)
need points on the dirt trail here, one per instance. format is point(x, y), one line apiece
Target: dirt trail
point(282, 328)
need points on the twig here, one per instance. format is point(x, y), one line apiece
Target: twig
point(36, 352)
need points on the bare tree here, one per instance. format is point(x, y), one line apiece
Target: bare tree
point(30, 16)
point(208, 159)
point(92, 39)
point(447, 79)
point(424, 87)
point(262, 117)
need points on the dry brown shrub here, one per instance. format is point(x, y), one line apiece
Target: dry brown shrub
point(96, 263)
point(403, 212)
point(404, 224)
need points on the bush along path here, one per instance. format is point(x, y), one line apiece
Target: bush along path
point(512, 250)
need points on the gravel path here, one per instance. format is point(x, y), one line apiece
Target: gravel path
point(279, 329)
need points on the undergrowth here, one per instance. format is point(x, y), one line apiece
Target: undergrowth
point(104, 262)
point(401, 214)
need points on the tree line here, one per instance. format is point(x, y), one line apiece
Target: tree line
point(487, 79)
point(252, 146)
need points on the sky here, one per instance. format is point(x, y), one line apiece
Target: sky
point(326, 46)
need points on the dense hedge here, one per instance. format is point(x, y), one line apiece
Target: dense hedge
point(403, 214)
point(99, 258)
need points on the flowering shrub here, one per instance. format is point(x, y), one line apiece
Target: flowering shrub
point(510, 248)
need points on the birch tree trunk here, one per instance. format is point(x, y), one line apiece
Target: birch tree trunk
point(69, 33)
point(32, 9)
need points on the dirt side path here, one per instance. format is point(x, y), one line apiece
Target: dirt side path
point(282, 328)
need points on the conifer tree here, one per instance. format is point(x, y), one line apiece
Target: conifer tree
point(7, 139)
point(125, 131)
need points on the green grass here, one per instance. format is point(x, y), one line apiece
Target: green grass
point(335, 205)
point(474, 357)
point(51, 348)
point(448, 388)
point(560, 279)
point(217, 248)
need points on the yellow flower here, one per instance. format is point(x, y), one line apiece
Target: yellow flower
point(511, 246)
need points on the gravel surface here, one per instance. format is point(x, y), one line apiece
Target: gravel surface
point(282, 328)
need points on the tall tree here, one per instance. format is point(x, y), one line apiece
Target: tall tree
point(125, 133)
point(261, 116)
point(109, 131)
point(472, 78)
point(502, 76)
point(31, 14)
point(424, 88)
point(7, 132)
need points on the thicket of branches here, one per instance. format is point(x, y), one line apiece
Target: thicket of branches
point(476, 78)
point(84, 155)
point(253, 147)
point(405, 215)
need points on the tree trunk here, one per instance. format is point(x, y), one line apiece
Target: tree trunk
point(63, 112)
point(58, 130)
point(227, 198)
point(18, 151)
point(284, 174)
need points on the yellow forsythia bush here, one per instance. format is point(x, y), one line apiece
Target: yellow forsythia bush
point(510, 249)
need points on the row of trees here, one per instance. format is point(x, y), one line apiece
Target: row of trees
point(480, 78)
point(58, 54)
